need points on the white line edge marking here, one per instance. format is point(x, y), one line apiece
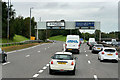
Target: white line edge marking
point(47, 64)
point(95, 76)
point(5, 63)
point(40, 71)
point(25, 48)
point(89, 62)
point(86, 55)
point(36, 75)
point(27, 56)
point(45, 67)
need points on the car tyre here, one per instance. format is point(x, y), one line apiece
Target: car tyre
point(98, 58)
point(50, 71)
point(4, 60)
point(73, 72)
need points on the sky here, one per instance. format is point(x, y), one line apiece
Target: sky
point(105, 11)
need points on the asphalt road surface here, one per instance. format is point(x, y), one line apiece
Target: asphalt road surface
point(33, 63)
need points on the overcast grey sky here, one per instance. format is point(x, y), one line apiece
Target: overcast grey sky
point(105, 11)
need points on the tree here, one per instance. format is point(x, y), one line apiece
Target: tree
point(4, 21)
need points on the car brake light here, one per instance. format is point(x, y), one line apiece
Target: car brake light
point(65, 45)
point(51, 62)
point(72, 63)
point(94, 47)
point(103, 53)
point(116, 53)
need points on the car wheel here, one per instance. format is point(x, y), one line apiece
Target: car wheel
point(98, 58)
point(73, 72)
point(101, 60)
point(50, 71)
point(78, 51)
point(92, 51)
point(4, 60)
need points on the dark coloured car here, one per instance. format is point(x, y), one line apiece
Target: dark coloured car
point(91, 44)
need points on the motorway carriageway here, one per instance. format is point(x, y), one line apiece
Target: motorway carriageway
point(33, 62)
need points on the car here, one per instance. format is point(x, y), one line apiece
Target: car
point(97, 47)
point(3, 56)
point(72, 44)
point(62, 62)
point(108, 54)
point(91, 44)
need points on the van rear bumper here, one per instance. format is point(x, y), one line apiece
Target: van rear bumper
point(72, 50)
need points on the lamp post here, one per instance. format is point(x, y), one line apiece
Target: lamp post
point(8, 24)
point(30, 21)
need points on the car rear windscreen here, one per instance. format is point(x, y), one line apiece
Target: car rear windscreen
point(72, 41)
point(109, 50)
point(63, 57)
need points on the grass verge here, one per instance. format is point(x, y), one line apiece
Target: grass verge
point(17, 47)
point(58, 38)
point(17, 38)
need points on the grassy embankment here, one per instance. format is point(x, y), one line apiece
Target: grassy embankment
point(58, 38)
point(17, 38)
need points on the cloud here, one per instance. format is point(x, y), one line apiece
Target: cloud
point(106, 12)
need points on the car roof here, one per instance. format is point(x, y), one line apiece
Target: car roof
point(69, 53)
point(108, 48)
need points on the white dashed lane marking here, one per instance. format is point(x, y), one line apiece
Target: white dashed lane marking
point(27, 56)
point(86, 55)
point(45, 67)
point(36, 75)
point(6, 63)
point(45, 48)
point(89, 62)
point(38, 51)
point(95, 76)
point(41, 71)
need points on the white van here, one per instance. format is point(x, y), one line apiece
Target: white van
point(72, 43)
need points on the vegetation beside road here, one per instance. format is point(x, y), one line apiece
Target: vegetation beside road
point(58, 38)
point(17, 47)
point(17, 38)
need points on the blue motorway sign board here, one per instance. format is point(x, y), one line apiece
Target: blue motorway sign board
point(81, 39)
point(84, 25)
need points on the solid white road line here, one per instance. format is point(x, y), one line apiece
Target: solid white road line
point(86, 55)
point(40, 71)
point(95, 76)
point(45, 67)
point(5, 63)
point(27, 56)
point(36, 75)
point(89, 62)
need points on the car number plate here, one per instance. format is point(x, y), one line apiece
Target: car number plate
point(98, 48)
point(69, 49)
point(110, 54)
point(61, 63)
